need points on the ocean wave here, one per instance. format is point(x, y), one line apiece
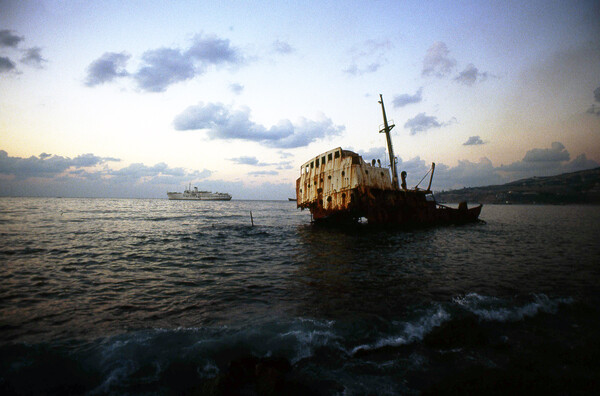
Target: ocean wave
point(496, 309)
point(410, 331)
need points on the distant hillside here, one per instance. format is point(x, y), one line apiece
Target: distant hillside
point(581, 187)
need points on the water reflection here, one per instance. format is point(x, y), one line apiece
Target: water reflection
point(362, 270)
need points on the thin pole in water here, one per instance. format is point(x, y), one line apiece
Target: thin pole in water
point(251, 219)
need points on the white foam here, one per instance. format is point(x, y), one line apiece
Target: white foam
point(496, 309)
point(308, 340)
point(319, 323)
point(410, 332)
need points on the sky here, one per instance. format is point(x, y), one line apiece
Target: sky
point(134, 99)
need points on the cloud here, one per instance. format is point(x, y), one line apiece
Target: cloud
point(465, 173)
point(109, 66)
point(468, 173)
point(557, 153)
point(161, 171)
point(473, 141)
point(594, 110)
point(284, 165)
point(8, 39)
point(263, 173)
point(213, 50)
point(224, 123)
point(248, 161)
point(87, 160)
point(373, 47)
point(369, 49)
point(422, 122)
point(163, 67)
point(281, 47)
point(471, 75)
point(33, 57)
point(373, 153)
point(6, 65)
point(415, 169)
point(536, 162)
point(46, 165)
point(49, 174)
point(356, 71)
point(236, 88)
point(253, 161)
point(405, 99)
point(546, 162)
point(581, 162)
point(437, 62)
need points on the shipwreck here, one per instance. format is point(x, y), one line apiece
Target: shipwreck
point(338, 186)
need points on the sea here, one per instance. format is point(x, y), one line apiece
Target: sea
point(151, 296)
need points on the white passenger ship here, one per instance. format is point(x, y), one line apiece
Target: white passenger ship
point(197, 195)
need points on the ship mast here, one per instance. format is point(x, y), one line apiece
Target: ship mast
point(387, 128)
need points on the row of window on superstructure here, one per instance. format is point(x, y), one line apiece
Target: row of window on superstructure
point(323, 161)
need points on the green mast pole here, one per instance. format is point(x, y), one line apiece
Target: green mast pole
point(387, 128)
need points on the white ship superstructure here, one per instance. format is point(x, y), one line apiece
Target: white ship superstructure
point(197, 195)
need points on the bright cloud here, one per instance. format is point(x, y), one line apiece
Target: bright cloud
point(222, 122)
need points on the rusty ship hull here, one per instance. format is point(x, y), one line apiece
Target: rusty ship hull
point(339, 186)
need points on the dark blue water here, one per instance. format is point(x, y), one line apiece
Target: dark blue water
point(119, 296)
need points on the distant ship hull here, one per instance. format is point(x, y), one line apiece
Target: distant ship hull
point(196, 195)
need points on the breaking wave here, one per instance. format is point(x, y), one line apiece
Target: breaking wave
point(497, 309)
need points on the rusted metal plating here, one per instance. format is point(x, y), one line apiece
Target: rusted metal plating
point(339, 185)
point(333, 183)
